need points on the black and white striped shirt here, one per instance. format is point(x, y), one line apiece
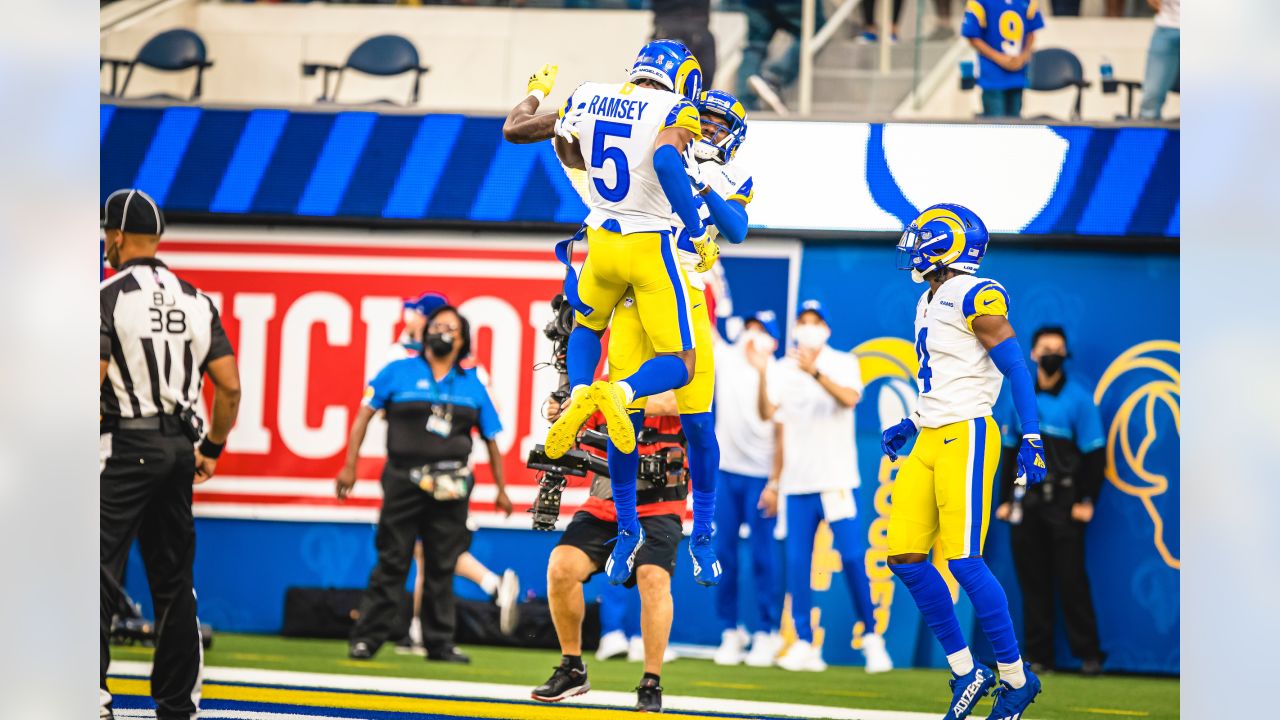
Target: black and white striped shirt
point(158, 335)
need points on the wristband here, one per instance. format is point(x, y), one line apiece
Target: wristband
point(211, 449)
point(538, 95)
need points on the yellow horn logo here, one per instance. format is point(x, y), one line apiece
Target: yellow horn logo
point(1148, 372)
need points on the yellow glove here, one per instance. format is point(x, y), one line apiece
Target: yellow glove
point(543, 80)
point(708, 250)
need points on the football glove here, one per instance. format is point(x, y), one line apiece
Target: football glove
point(567, 126)
point(707, 249)
point(1031, 467)
point(543, 80)
point(694, 172)
point(895, 437)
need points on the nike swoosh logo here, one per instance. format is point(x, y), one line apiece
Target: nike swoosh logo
point(988, 302)
point(698, 305)
point(951, 440)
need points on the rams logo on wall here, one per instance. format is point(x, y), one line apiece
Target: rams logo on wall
point(1140, 395)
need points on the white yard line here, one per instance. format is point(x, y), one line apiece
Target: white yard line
point(494, 691)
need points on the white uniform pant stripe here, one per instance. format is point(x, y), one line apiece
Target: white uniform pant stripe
point(969, 480)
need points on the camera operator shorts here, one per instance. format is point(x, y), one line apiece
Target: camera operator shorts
point(592, 536)
point(629, 347)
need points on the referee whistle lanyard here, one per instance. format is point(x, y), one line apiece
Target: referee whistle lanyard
point(564, 253)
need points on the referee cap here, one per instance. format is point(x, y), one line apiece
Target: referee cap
point(131, 210)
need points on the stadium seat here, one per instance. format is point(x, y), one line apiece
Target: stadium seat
point(1054, 69)
point(170, 51)
point(382, 55)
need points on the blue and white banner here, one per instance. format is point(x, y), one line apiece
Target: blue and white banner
point(856, 177)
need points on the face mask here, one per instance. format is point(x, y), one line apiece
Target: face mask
point(812, 336)
point(758, 340)
point(1052, 363)
point(440, 344)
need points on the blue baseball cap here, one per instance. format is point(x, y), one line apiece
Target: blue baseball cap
point(769, 320)
point(426, 303)
point(814, 307)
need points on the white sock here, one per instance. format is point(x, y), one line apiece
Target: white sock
point(1012, 673)
point(489, 583)
point(961, 662)
point(631, 394)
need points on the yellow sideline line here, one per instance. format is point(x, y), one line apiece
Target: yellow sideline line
point(389, 703)
point(1109, 711)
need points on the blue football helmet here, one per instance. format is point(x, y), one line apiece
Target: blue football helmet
point(728, 107)
point(944, 235)
point(670, 64)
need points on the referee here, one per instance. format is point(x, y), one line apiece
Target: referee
point(159, 336)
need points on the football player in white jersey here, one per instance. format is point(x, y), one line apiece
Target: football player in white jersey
point(943, 490)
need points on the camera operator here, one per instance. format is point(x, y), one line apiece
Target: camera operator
point(432, 405)
point(661, 491)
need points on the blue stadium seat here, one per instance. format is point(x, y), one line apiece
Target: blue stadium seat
point(382, 55)
point(170, 51)
point(1055, 69)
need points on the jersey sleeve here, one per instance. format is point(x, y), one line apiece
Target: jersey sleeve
point(986, 298)
point(568, 102)
point(378, 392)
point(975, 19)
point(684, 115)
point(219, 345)
point(744, 193)
point(1086, 424)
point(1035, 18)
point(490, 423)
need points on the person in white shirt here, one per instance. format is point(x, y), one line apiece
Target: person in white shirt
point(746, 459)
point(810, 397)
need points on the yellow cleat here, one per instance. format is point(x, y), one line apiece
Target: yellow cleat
point(564, 431)
point(612, 401)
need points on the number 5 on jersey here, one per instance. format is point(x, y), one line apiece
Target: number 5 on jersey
point(605, 129)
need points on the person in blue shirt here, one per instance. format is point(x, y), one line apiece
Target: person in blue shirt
point(433, 405)
point(1048, 520)
point(1003, 33)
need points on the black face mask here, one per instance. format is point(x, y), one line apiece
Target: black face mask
point(440, 344)
point(1052, 363)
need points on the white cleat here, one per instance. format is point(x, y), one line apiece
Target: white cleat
point(732, 649)
point(764, 649)
point(802, 657)
point(612, 644)
point(635, 652)
point(506, 600)
point(878, 660)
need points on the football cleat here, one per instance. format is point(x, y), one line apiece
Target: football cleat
point(564, 431)
point(612, 644)
point(967, 690)
point(706, 568)
point(649, 696)
point(622, 561)
point(878, 660)
point(612, 402)
point(802, 656)
point(1011, 703)
point(506, 600)
point(732, 648)
point(565, 682)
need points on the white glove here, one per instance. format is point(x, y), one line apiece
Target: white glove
point(694, 171)
point(567, 126)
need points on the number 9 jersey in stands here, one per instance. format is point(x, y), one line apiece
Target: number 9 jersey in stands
point(957, 379)
point(617, 137)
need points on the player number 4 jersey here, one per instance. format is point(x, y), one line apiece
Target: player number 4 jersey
point(616, 137)
point(957, 379)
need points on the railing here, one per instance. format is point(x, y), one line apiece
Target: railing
point(811, 43)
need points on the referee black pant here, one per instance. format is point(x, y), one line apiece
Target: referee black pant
point(407, 514)
point(146, 493)
point(1048, 552)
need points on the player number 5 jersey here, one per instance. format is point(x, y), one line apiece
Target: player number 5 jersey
point(957, 379)
point(616, 137)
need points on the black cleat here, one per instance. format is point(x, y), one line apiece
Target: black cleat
point(360, 651)
point(649, 696)
point(565, 682)
point(447, 653)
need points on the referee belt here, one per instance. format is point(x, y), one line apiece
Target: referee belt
point(168, 424)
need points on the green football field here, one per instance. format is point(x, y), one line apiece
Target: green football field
point(1065, 697)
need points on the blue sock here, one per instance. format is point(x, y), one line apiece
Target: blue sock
point(582, 356)
point(704, 463)
point(932, 597)
point(623, 468)
point(659, 374)
point(989, 604)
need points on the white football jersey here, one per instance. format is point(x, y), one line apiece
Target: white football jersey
point(957, 379)
point(730, 181)
point(616, 137)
